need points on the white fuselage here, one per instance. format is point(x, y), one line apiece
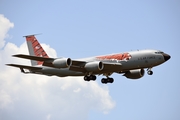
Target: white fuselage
point(138, 60)
point(131, 64)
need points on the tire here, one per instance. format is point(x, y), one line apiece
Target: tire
point(104, 80)
point(92, 77)
point(111, 80)
point(86, 78)
point(150, 72)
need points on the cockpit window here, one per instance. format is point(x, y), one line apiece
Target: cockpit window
point(159, 52)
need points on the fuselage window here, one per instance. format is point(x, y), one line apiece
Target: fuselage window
point(158, 52)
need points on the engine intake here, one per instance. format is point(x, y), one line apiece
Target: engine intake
point(134, 74)
point(94, 66)
point(62, 62)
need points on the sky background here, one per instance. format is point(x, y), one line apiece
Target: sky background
point(79, 29)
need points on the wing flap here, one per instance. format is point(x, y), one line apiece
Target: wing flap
point(78, 63)
point(111, 67)
point(77, 68)
point(108, 64)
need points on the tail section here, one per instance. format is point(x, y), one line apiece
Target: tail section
point(35, 49)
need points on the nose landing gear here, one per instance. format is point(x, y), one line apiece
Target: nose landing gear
point(150, 72)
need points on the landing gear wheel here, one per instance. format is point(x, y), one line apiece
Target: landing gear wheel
point(92, 77)
point(104, 80)
point(150, 72)
point(86, 78)
point(107, 80)
point(110, 80)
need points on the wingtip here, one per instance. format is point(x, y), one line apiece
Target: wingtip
point(8, 64)
point(15, 55)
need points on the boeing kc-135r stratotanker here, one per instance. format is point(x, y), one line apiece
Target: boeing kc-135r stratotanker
point(130, 64)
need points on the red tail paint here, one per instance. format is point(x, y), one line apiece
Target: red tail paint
point(37, 48)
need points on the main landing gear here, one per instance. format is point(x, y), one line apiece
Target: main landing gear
point(103, 80)
point(90, 77)
point(107, 80)
point(150, 72)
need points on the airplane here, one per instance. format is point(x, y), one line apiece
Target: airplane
point(130, 64)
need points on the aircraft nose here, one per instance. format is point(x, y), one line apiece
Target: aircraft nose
point(166, 56)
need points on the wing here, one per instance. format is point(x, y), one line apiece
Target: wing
point(79, 66)
point(34, 58)
point(48, 61)
point(75, 62)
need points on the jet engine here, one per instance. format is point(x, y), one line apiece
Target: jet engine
point(134, 74)
point(62, 62)
point(94, 66)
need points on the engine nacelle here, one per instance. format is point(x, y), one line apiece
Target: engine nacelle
point(94, 66)
point(134, 74)
point(62, 62)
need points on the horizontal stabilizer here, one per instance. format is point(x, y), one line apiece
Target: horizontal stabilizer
point(32, 35)
point(25, 67)
point(34, 58)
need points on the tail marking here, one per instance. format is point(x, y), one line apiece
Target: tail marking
point(35, 49)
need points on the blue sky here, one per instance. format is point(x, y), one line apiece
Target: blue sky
point(79, 29)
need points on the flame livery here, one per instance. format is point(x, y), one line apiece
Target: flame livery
point(130, 64)
point(124, 56)
point(37, 48)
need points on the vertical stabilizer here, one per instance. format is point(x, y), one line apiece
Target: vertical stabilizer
point(35, 49)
